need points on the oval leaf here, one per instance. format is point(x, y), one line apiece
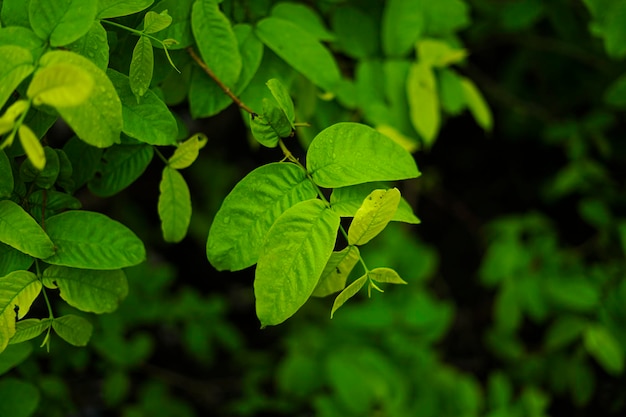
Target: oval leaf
point(32, 147)
point(336, 271)
point(93, 45)
point(73, 329)
point(187, 152)
point(421, 88)
point(281, 94)
point(372, 217)
point(141, 67)
point(348, 293)
point(85, 239)
point(88, 290)
point(18, 290)
point(292, 259)
point(402, 25)
point(603, 346)
point(6, 176)
point(155, 22)
point(249, 211)
point(477, 104)
point(19, 230)
point(174, 205)
point(333, 161)
point(386, 275)
point(121, 166)
point(60, 85)
point(29, 329)
point(61, 21)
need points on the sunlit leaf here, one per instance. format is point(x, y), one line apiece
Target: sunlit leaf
point(349, 292)
point(336, 271)
point(155, 22)
point(19, 230)
point(18, 290)
point(187, 152)
point(386, 275)
point(116, 8)
point(372, 217)
point(60, 85)
point(16, 64)
point(477, 104)
point(29, 329)
point(73, 329)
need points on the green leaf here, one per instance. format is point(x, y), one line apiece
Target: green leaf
point(18, 398)
point(6, 176)
point(421, 91)
point(98, 120)
point(477, 104)
point(73, 329)
point(333, 162)
point(61, 21)
point(13, 356)
point(19, 230)
point(12, 259)
point(615, 95)
point(46, 177)
point(402, 25)
point(51, 202)
point(88, 290)
point(301, 50)
point(216, 41)
point(187, 152)
point(31, 145)
point(372, 217)
point(93, 45)
point(15, 110)
point(262, 130)
point(141, 67)
point(18, 290)
point(149, 121)
point(603, 346)
point(573, 293)
point(386, 275)
point(89, 240)
point(121, 166)
point(174, 205)
point(443, 17)
point(60, 85)
point(564, 331)
point(281, 94)
point(303, 16)
point(347, 200)
point(248, 212)
point(116, 8)
point(180, 28)
point(336, 271)
point(85, 160)
point(16, 64)
point(349, 292)
point(451, 92)
point(29, 329)
point(436, 53)
point(155, 22)
point(356, 32)
point(15, 13)
point(292, 259)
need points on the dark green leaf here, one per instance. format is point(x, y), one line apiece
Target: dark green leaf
point(303, 16)
point(13, 356)
point(121, 166)
point(180, 28)
point(116, 8)
point(356, 32)
point(61, 22)
point(85, 160)
point(603, 346)
point(46, 177)
point(93, 45)
point(451, 92)
point(19, 230)
point(12, 259)
point(18, 398)
point(6, 176)
point(564, 331)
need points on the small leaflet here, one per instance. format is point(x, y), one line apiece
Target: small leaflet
point(348, 293)
point(372, 217)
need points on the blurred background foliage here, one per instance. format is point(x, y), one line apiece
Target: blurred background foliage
point(516, 303)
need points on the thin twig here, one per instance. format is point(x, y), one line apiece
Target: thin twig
point(219, 82)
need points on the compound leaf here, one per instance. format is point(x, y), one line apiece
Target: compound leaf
point(174, 205)
point(372, 217)
point(61, 21)
point(292, 259)
point(336, 271)
point(73, 329)
point(90, 240)
point(19, 230)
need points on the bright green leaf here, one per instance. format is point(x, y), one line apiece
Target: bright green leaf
point(292, 259)
point(351, 153)
point(216, 41)
point(15, 13)
point(121, 166)
point(18, 398)
point(281, 94)
point(141, 67)
point(248, 212)
point(90, 240)
point(29, 329)
point(88, 290)
point(93, 45)
point(116, 8)
point(451, 92)
point(18, 290)
point(187, 152)
point(32, 147)
point(421, 89)
point(149, 121)
point(60, 85)
point(372, 217)
point(155, 22)
point(73, 329)
point(262, 130)
point(98, 120)
point(15, 65)
point(6, 176)
point(386, 275)
point(436, 53)
point(301, 50)
point(174, 205)
point(402, 25)
point(349, 292)
point(15, 110)
point(477, 104)
point(336, 271)
point(603, 346)
point(61, 21)
point(19, 230)
point(180, 28)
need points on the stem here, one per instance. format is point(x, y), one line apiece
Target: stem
point(160, 155)
point(43, 290)
point(219, 82)
point(134, 31)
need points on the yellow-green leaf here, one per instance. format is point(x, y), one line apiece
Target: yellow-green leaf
point(423, 101)
point(15, 65)
point(348, 293)
point(32, 147)
point(15, 110)
point(187, 152)
point(439, 53)
point(60, 85)
point(19, 230)
point(18, 290)
point(477, 104)
point(155, 22)
point(372, 217)
point(73, 329)
point(29, 329)
point(386, 275)
point(336, 271)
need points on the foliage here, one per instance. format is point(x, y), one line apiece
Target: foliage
point(341, 97)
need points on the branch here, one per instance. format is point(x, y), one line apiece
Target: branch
point(219, 82)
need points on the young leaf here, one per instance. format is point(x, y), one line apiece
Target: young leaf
point(61, 21)
point(386, 275)
point(16, 64)
point(333, 160)
point(421, 91)
point(155, 22)
point(32, 147)
point(116, 8)
point(301, 50)
point(348, 293)
point(73, 329)
point(603, 346)
point(121, 166)
point(15, 110)
point(372, 217)
point(477, 104)
point(174, 205)
point(336, 271)
point(149, 121)
point(402, 25)
point(98, 120)
point(216, 41)
point(19, 230)
point(281, 94)
point(18, 290)
point(141, 67)
point(187, 152)
point(88, 290)
point(292, 259)
point(347, 200)
point(90, 240)
point(60, 85)
point(248, 212)
point(180, 28)
point(29, 329)
point(6, 176)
